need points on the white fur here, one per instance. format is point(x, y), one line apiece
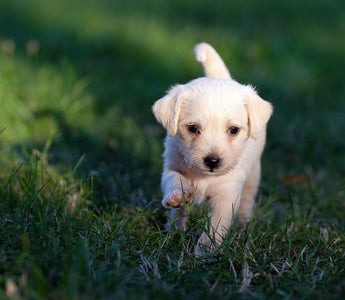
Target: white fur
point(210, 59)
point(214, 105)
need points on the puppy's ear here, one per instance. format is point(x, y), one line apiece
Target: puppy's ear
point(167, 109)
point(259, 112)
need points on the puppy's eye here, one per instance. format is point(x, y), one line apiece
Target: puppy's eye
point(233, 130)
point(193, 128)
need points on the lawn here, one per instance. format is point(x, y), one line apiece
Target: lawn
point(80, 163)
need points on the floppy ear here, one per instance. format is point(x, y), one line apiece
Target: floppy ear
point(259, 112)
point(167, 109)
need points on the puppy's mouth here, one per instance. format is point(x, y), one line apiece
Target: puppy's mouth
point(210, 165)
point(214, 167)
point(221, 170)
point(215, 172)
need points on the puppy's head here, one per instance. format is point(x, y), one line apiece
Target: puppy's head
point(212, 119)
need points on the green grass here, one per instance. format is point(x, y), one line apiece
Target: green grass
point(80, 163)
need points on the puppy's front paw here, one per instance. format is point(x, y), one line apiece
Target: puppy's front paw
point(176, 198)
point(204, 245)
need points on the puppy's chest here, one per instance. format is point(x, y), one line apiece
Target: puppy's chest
point(204, 188)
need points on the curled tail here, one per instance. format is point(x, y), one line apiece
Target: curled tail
point(211, 61)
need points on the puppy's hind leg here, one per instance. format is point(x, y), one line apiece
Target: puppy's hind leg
point(177, 220)
point(249, 192)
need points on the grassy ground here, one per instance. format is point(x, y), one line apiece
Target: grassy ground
point(80, 162)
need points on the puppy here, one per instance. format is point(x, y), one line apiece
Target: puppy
point(216, 134)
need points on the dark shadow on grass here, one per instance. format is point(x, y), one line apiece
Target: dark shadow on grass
point(115, 176)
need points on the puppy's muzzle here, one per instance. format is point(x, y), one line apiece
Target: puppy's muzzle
point(212, 162)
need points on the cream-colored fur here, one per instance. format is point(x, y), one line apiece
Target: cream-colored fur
point(216, 134)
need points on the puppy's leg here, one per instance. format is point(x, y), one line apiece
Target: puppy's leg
point(224, 206)
point(177, 220)
point(249, 191)
point(177, 191)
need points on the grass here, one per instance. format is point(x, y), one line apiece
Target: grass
point(80, 163)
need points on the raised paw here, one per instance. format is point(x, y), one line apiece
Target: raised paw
point(177, 197)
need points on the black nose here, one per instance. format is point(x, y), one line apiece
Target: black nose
point(212, 161)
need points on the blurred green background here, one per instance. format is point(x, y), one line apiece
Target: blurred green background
point(92, 69)
point(78, 79)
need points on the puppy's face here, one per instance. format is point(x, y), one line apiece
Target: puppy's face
point(212, 120)
point(213, 129)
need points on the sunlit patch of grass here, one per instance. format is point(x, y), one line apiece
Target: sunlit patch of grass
point(39, 101)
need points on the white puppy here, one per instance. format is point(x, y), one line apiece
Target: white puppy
point(216, 134)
